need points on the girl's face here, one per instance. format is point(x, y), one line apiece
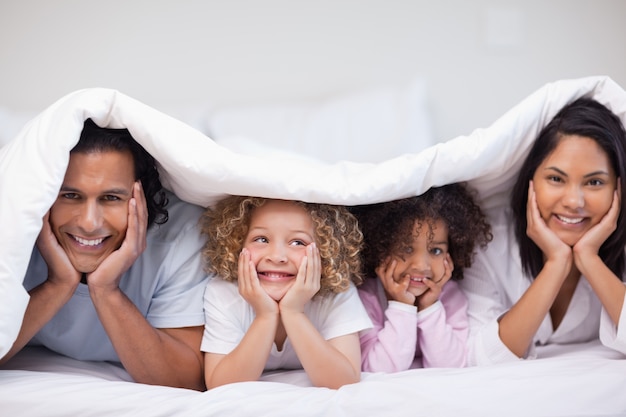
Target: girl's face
point(277, 239)
point(424, 258)
point(574, 187)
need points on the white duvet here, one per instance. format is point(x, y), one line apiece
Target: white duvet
point(200, 171)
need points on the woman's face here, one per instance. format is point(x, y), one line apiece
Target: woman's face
point(574, 187)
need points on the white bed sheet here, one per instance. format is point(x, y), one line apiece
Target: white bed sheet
point(579, 380)
point(569, 380)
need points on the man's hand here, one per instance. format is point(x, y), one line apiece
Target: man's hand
point(108, 274)
point(60, 269)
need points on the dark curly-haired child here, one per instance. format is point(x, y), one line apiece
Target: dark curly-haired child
point(413, 248)
point(284, 295)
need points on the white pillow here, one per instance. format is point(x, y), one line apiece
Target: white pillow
point(368, 126)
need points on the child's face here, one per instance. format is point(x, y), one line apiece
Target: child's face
point(277, 239)
point(424, 258)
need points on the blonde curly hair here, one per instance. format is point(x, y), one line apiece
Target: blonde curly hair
point(337, 236)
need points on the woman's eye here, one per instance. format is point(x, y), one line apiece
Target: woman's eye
point(596, 182)
point(554, 178)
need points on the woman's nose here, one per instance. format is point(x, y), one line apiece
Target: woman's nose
point(574, 197)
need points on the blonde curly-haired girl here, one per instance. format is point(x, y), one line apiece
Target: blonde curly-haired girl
point(283, 293)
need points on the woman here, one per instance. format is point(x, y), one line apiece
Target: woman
point(555, 275)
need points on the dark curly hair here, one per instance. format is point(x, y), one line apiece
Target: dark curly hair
point(387, 227)
point(97, 139)
point(337, 236)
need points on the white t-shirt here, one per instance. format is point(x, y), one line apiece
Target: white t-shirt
point(495, 282)
point(165, 283)
point(228, 316)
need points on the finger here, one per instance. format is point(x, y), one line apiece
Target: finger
point(141, 212)
point(314, 267)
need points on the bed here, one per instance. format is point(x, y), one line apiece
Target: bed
point(572, 380)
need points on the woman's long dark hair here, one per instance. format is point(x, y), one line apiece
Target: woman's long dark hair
point(97, 139)
point(583, 117)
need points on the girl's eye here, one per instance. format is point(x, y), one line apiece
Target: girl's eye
point(298, 243)
point(260, 239)
point(436, 251)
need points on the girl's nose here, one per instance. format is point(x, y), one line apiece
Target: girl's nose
point(277, 253)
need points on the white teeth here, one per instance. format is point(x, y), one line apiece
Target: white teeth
point(569, 220)
point(417, 279)
point(86, 242)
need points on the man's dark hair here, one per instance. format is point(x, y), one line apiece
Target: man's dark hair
point(97, 139)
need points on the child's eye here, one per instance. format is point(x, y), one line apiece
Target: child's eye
point(436, 251)
point(298, 243)
point(260, 239)
point(407, 250)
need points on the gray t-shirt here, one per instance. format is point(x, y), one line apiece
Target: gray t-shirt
point(166, 284)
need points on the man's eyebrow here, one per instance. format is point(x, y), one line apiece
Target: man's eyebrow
point(119, 191)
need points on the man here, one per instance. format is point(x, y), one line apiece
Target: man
point(110, 280)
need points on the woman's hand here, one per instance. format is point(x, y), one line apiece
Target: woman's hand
point(597, 235)
point(538, 231)
point(307, 284)
point(590, 243)
point(397, 291)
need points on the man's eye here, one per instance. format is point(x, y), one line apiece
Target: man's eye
point(110, 198)
point(70, 196)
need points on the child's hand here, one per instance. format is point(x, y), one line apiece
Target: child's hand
point(435, 286)
point(307, 284)
point(397, 291)
point(250, 288)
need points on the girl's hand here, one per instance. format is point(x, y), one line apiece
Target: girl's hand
point(537, 230)
point(590, 243)
point(250, 287)
point(435, 286)
point(397, 291)
point(307, 284)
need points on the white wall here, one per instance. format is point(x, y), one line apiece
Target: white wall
point(479, 57)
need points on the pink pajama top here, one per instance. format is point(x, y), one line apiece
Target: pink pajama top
point(403, 337)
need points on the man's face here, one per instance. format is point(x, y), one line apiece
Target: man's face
point(90, 216)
